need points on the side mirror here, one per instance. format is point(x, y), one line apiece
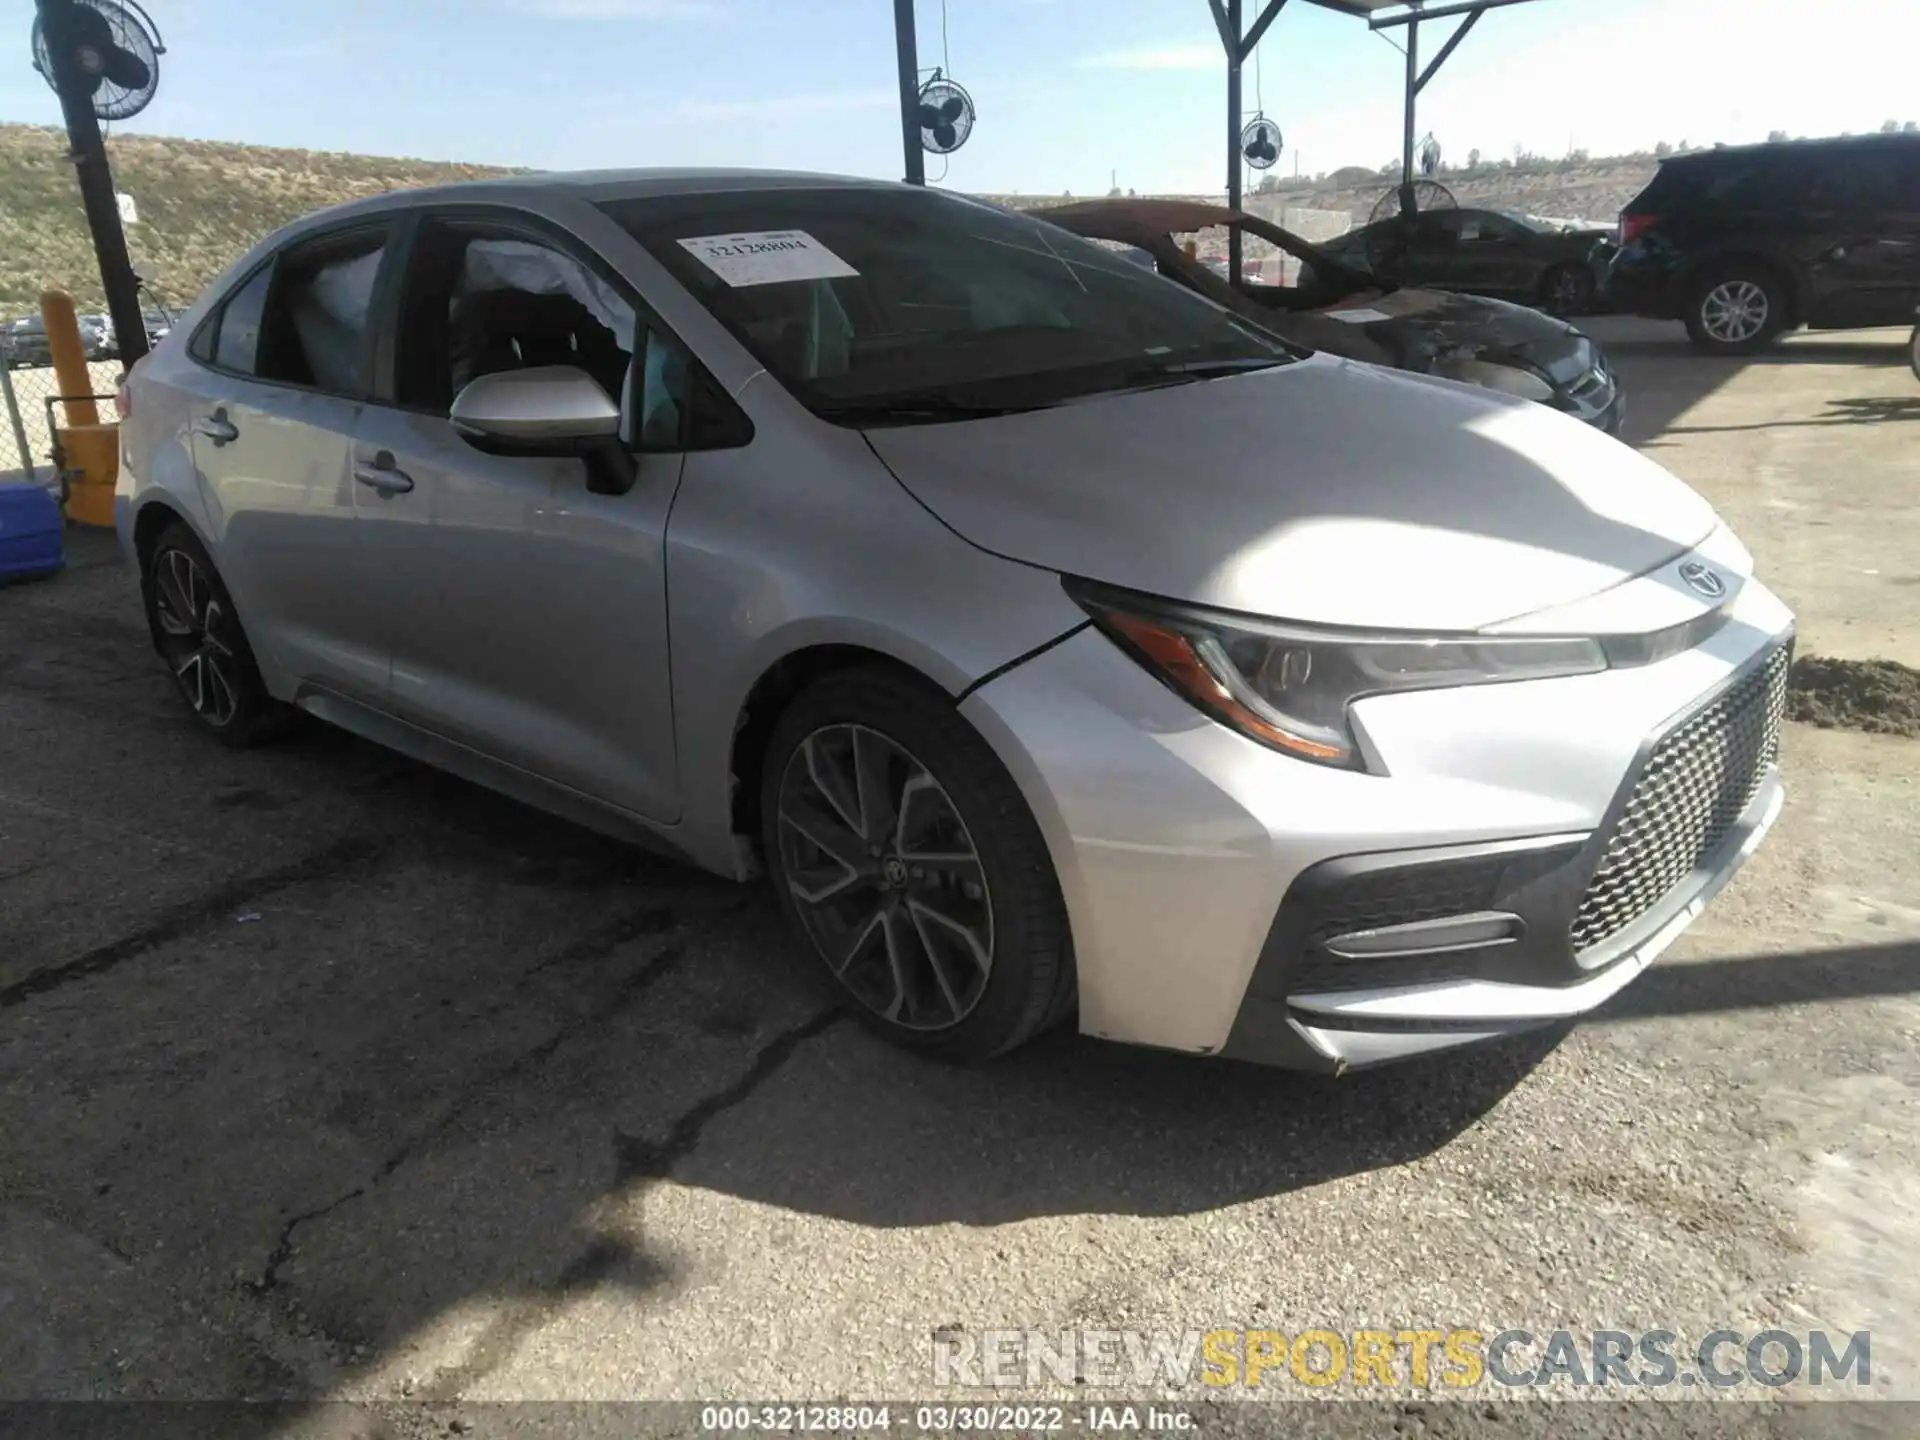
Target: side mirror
point(556, 410)
point(546, 410)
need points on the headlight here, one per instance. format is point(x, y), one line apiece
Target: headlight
point(1504, 378)
point(1291, 687)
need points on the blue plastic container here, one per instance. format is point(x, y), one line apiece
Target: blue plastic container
point(33, 539)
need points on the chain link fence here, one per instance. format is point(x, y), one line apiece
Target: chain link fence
point(35, 407)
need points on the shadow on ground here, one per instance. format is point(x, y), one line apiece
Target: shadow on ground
point(1664, 378)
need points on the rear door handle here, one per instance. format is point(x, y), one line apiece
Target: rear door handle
point(218, 428)
point(384, 475)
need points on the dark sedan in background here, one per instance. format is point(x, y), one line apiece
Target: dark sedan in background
point(1339, 307)
point(1486, 252)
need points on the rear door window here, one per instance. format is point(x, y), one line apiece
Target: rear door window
point(301, 319)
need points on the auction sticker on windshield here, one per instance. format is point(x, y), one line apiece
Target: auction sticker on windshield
point(1358, 317)
point(766, 257)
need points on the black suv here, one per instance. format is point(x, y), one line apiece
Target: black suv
point(1743, 243)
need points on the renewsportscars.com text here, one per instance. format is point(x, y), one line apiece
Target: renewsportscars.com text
point(1457, 1359)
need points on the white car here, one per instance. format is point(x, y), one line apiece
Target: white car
point(1060, 642)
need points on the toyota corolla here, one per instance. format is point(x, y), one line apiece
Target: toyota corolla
point(1058, 642)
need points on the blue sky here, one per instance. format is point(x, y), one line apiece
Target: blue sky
point(1069, 91)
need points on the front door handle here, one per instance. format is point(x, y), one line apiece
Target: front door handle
point(384, 475)
point(218, 428)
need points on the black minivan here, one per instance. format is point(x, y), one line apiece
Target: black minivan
point(1744, 242)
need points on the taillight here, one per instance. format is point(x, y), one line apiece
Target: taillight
point(122, 398)
point(1633, 226)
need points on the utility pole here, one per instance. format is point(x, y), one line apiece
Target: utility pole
point(907, 50)
point(76, 69)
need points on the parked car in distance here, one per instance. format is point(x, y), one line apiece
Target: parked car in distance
point(1485, 252)
point(27, 345)
point(1339, 307)
point(96, 333)
point(26, 341)
point(1059, 642)
point(1749, 241)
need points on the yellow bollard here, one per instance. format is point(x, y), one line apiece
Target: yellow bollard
point(89, 450)
point(69, 356)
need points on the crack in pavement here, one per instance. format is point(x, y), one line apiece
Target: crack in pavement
point(629, 928)
point(637, 1159)
point(634, 1159)
point(183, 919)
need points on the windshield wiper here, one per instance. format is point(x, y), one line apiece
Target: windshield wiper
point(1214, 369)
point(920, 406)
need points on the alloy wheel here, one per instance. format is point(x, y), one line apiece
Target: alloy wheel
point(1566, 292)
point(193, 637)
point(885, 877)
point(1734, 311)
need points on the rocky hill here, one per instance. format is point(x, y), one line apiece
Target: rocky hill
point(1570, 189)
point(201, 202)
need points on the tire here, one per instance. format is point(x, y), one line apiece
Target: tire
point(902, 942)
point(1567, 289)
point(1913, 352)
point(196, 631)
point(1737, 309)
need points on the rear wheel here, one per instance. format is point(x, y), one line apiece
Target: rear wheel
point(1736, 309)
point(1913, 351)
point(196, 631)
point(1567, 289)
point(909, 866)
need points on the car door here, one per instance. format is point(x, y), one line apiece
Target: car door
point(282, 375)
point(526, 614)
point(1422, 255)
point(1869, 273)
point(1489, 255)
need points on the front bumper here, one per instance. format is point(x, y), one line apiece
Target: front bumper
point(1228, 899)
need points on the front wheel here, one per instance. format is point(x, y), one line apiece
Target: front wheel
point(1913, 351)
point(1567, 290)
point(909, 866)
point(1736, 310)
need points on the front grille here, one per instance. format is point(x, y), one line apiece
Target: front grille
point(1697, 782)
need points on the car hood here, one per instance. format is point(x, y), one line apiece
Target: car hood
point(1418, 326)
point(1322, 491)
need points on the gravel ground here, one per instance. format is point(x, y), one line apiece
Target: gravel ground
point(325, 1077)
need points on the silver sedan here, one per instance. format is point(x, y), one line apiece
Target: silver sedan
point(1060, 642)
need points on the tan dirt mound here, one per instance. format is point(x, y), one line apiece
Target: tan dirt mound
point(1880, 697)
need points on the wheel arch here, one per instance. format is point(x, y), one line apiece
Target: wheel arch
point(150, 519)
point(760, 710)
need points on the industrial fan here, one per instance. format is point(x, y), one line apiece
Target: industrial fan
point(1427, 195)
point(116, 47)
point(1260, 143)
point(946, 115)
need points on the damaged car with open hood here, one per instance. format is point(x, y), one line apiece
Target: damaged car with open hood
point(1063, 647)
point(1348, 307)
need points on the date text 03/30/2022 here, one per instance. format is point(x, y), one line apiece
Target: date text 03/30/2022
point(942, 1419)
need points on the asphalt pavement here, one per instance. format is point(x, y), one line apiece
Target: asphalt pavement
point(324, 1077)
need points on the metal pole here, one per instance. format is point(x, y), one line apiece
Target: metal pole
point(909, 61)
point(89, 151)
point(1413, 89)
point(1233, 139)
point(13, 413)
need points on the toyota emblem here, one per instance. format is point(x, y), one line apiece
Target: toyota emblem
point(1700, 578)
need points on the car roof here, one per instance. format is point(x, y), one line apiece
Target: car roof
point(1137, 222)
point(601, 186)
point(1791, 147)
